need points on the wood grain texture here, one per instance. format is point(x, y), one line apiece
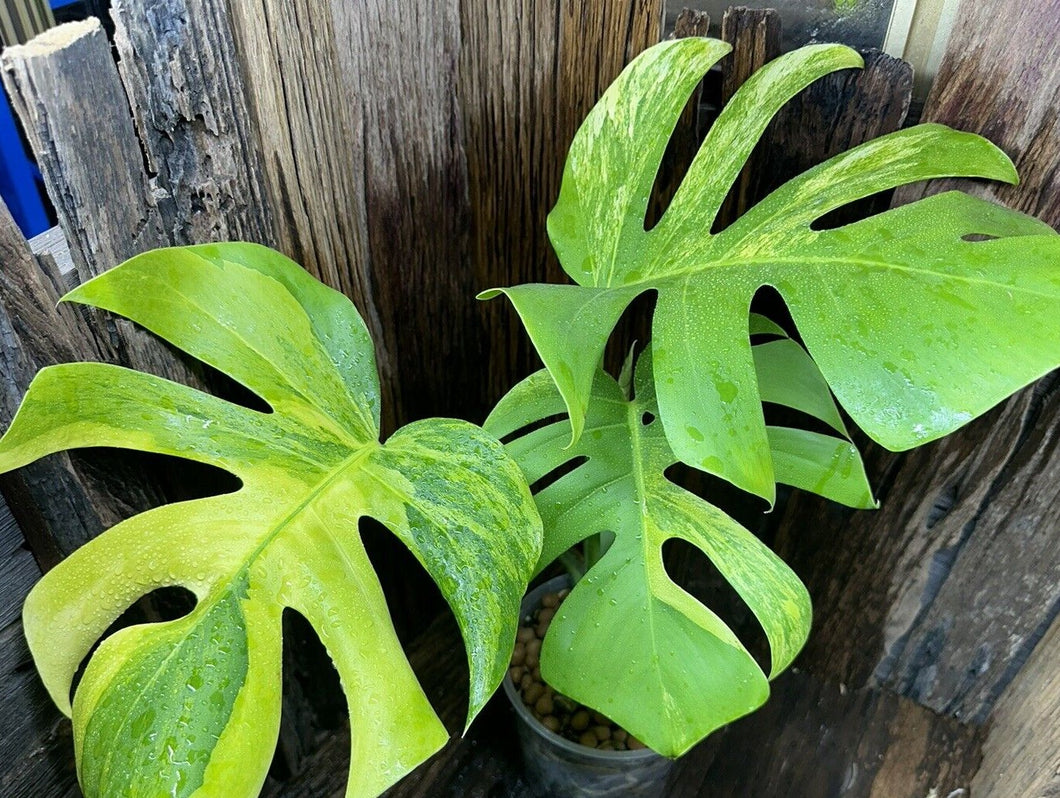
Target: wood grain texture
point(312, 145)
point(67, 499)
point(402, 95)
point(529, 72)
point(755, 38)
point(36, 746)
point(1001, 81)
point(943, 592)
point(65, 88)
point(180, 71)
point(1020, 755)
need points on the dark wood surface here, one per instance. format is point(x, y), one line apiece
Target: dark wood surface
point(528, 73)
point(945, 591)
point(66, 90)
point(814, 739)
point(36, 745)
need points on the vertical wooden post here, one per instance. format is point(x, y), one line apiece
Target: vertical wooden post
point(188, 100)
point(66, 90)
point(65, 81)
point(529, 72)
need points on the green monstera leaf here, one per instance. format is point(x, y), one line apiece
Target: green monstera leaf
point(191, 707)
point(917, 324)
point(683, 673)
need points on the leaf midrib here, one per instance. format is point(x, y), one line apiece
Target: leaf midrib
point(312, 494)
point(757, 262)
point(634, 411)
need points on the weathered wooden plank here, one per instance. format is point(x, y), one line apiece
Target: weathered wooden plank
point(755, 38)
point(402, 93)
point(1001, 80)
point(190, 106)
point(35, 740)
point(529, 72)
point(312, 145)
point(66, 89)
point(943, 593)
point(67, 499)
point(1021, 755)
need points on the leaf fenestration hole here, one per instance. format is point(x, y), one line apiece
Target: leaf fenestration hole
point(681, 148)
point(647, 419)
point(854, 211)
point(693, 571)
point(418, 610)
point(224, 387)
point(159, 606)
point(313, 700)
point(557, 474)
point(769, 302)
point(978, 237)
point(533, 426)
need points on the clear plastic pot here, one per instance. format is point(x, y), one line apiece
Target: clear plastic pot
point(565, 768)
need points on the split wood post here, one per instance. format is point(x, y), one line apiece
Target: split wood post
point(943, 594)
point(755, 38)
point(189, 103)
point(67, 93)
point(1004, 587)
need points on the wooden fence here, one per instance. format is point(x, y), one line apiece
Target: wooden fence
point(407, 153)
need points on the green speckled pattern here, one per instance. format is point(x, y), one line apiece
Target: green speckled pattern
point(192, 707)
point(917, 327)
point(628, 641)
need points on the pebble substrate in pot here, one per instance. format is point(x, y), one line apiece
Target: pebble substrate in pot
point(555, 757)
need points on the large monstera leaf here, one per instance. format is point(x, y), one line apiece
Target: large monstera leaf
point(682, 672)
point(916, 322)
point(191, 707)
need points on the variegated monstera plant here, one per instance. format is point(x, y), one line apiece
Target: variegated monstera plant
point(909, 325)
point(192, 707)
point(910, 320)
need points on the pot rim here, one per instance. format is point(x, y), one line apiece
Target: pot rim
point(559, 582)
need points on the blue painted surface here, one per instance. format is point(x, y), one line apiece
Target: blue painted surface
point(20, 183)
